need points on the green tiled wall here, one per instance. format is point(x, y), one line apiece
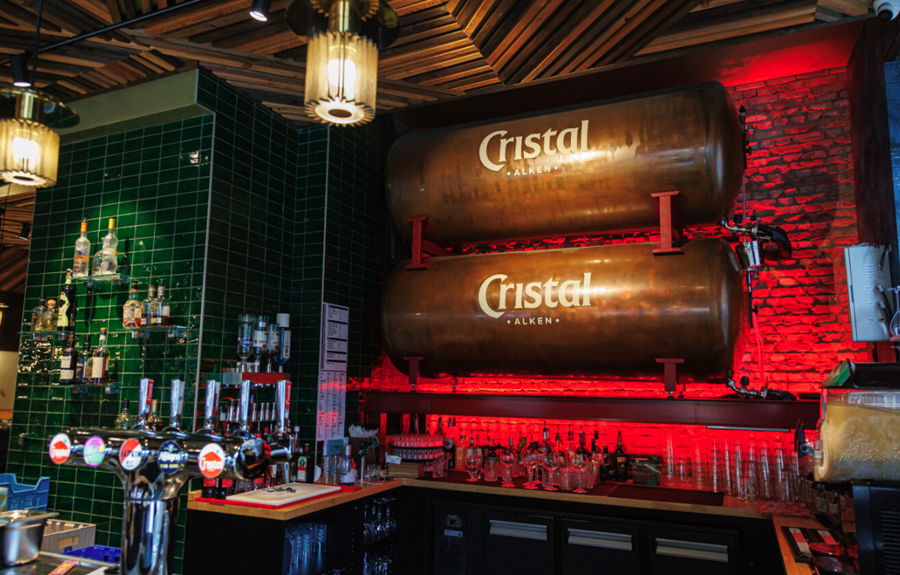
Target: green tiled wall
point(155, 182)
point(234, 211)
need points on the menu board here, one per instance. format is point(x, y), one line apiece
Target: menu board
point(332, 390)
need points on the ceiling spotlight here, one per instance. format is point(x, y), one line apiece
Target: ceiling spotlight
point(260, 10)
point(26, 231)
point(19, 63)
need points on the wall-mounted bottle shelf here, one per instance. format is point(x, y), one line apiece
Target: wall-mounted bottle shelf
point(171, 331)
point(738, 413)
point(106, 279)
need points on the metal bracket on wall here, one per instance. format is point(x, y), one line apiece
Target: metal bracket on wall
point(421, 248)
point(670, 374)
point(669, 231)
point(413, 370)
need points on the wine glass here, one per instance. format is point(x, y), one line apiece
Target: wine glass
point(473, 463)
point(530, 458)
point(579, 461)
point(551, 463)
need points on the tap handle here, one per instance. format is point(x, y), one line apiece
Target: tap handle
point(145, 397)
point(211, 408)
point(176, 404)
point(280, 404)
point(245, 406)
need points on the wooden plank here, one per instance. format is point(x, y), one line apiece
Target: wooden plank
point(96, 8)
point(114, 12)
point(563, 38)
point(151, 56)
point(652, 28)
point(515, 39)
point(451, 73)
point(195, 14)
point(846, 7)
point(712, 33)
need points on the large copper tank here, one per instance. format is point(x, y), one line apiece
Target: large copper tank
point(613, 309)
point(614, 155)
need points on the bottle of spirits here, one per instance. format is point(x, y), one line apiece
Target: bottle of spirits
point(65, 319)
point(621, 460)
point(283, 354)
point(48, 319)
point(260, 331)
point(106, 259)
point(606, 465)
point(83, 362)
point(163, 306)
point(37, 314)
point(150, 307)
point(81, 264)
point(68, 361)
point(124, 420)
point(100, 361)
point(154, 422)
point(132, 310)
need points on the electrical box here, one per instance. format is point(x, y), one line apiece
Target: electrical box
point(868, 278)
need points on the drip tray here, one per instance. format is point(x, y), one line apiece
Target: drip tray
point(650, 493)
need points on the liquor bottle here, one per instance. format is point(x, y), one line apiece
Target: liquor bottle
point(48, 320)
point(106, 259)
point(621, 460)
point(244, 339)
point(37, 314)
point(124, 420)
point(100, 361)
point(81, 264)
point(283, 354)
point(163, 306)
point(259, 340)
point(151, 314)
point(68, 361)
point(347, 468)
point(596, 459)
point(65, 319)
point(132, 310)
point(606, 465)
point(154, 422)
point(83, 362)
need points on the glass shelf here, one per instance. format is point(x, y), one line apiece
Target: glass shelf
point(95, 280)
point(140, 332)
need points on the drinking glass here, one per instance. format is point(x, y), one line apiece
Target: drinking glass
point(550, 464)
point(473, 463)
point(579, 462)
point(531, 458)
point(508, 459)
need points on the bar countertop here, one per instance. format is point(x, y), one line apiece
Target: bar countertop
point(730, 507)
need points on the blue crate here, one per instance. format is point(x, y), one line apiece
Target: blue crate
point(98, 553)
point(22, 496)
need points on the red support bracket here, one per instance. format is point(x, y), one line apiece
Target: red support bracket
point(670, 373)
point(669, 231)
point(421, 247)
point(413, 361)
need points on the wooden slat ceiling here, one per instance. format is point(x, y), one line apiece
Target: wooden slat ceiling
point(16, 209)
point(446, 49)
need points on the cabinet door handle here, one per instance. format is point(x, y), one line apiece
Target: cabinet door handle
point(691, 550)
point(532, 531)
point(600, 539)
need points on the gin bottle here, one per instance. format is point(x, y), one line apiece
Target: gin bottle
point(81, 266)
point(106, 259)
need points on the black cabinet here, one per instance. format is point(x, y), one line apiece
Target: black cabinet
point(458, 540)
point(518, 544)
point(675, 550)
point(598, 548)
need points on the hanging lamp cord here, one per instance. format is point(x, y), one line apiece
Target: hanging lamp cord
point(37, 41)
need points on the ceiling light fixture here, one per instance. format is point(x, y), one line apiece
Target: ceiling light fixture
point(19, 65)
point(260, 10)
point(29, 148)
point(342, 56)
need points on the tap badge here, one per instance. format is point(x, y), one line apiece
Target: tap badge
point(169, 458)
point(211, 460)
point(94, 451)
point(131, 454)
point(60, 448)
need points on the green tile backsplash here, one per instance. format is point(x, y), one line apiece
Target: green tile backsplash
point(233, 211)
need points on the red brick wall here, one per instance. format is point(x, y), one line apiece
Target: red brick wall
point(799, 177)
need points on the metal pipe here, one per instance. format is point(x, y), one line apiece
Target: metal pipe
point(245, 408)
point(148, 534)
point(280, 404)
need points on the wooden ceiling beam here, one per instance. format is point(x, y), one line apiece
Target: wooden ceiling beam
point(518, 38)
point(658, 23)
point(195, 14)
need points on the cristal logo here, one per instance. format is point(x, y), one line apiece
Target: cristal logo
point(532, 295)
point(60, 448)
point(211, 461)
point(496, 149)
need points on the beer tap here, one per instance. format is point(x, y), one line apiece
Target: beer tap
point(145, 397)
point(211, 408)
point(176, 404)
point(244, 429)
